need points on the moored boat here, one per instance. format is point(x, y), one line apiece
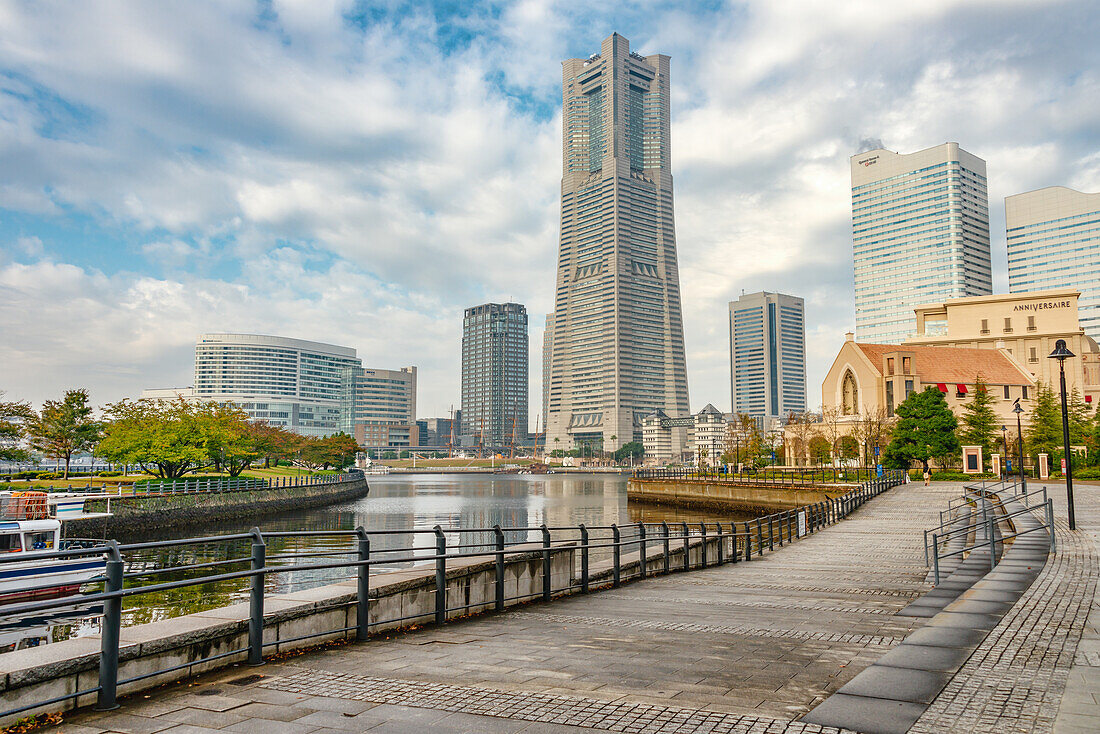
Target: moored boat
point(28, 537)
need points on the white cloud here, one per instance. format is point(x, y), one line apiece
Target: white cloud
point(363, 185)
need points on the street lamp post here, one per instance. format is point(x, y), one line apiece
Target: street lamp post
point(1061, 353)
point(1020, 443)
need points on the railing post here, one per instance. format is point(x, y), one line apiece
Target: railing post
point(703, 545)
point(498, 538)
point(771, 534)
point(109, 636)
point(936, 558)
point(925, 547)
point(721, 545)
point(992, 540)
point(547, 586)
point(642, 549)
point(664, 540)
point(759, 539)
point(687, 548)
point(617, 555)
point(256, 600)
point(362, 587)
point(440, 575)
point(584, 558)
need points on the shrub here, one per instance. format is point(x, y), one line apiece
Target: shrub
point(110, 474)
point(48, 475)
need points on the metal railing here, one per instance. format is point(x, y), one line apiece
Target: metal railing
point(991, 511)
point(743, 540)
point(202, 485)
point(777, 477)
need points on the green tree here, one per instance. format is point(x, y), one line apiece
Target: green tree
point(1080, 418)
point(64, 427)
point(1044, 431)
point(979, 421)
point(925, 429)
point(628, 450)
point(820, 451)
point(165, 438)
point(232, 442)
point(13, 417)
point(848, 448)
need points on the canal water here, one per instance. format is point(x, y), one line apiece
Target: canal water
point(395, 505)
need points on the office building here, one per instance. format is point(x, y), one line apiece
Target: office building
point(1054, 242)
point(292, 383)
point(768, 355)
point(378, 407)
point(442, 431)
point(618, 339)
point(1027, 325)
point(920, 233)
point(494, 374)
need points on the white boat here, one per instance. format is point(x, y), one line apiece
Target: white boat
point(27, 530)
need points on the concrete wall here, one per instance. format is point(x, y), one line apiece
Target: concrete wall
point(141, 514)
point(741, 497)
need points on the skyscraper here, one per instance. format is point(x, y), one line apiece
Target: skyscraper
point(1054, 242)
point(768, 354)
point(378, 407)
point(494, 374)
point(920, 234)
point(547, 352)
point(618, 339)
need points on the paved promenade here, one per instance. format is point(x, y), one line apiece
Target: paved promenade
point(748, 647)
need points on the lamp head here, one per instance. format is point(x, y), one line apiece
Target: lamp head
point(1061, 352)
point(1016, 407)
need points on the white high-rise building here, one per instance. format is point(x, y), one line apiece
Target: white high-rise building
point(1054, 242)
point(768, 355)
point(286, 382)
point(618, 336)
point(920, 234)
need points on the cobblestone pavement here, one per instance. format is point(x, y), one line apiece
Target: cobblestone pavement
point(744, 647)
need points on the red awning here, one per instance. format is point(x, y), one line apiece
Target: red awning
point(942, 387)
point(962, 389)
point(1088, 398)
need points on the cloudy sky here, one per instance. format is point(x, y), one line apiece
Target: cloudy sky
point(360, 172)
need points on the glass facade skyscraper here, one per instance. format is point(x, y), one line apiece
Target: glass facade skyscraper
point(1054, 242)
point(768, 354)
point(618, 339)
point(920, 234)
point(494, 374)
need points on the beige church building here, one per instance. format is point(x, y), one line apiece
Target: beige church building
point(866, 379)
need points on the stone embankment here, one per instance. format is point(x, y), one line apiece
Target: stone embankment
point(742, 496)
point(131, 516)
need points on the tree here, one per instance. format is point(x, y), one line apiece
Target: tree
point(979, 421)
point(848, 448)
point(1044, 431)
point(803, 427)
point(165, 438)
point(13, 417)
point(630, 449)
point(1080, 418)
point(232, 442)
point(925, 429)
point(873, 430)
point(832, 429)
point(820, 450)
point(64, 427)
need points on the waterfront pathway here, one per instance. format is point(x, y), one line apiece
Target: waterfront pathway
point(738, 648)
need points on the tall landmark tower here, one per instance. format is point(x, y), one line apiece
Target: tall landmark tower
point(618, 346)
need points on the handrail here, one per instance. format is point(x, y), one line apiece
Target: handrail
point(733, 542)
